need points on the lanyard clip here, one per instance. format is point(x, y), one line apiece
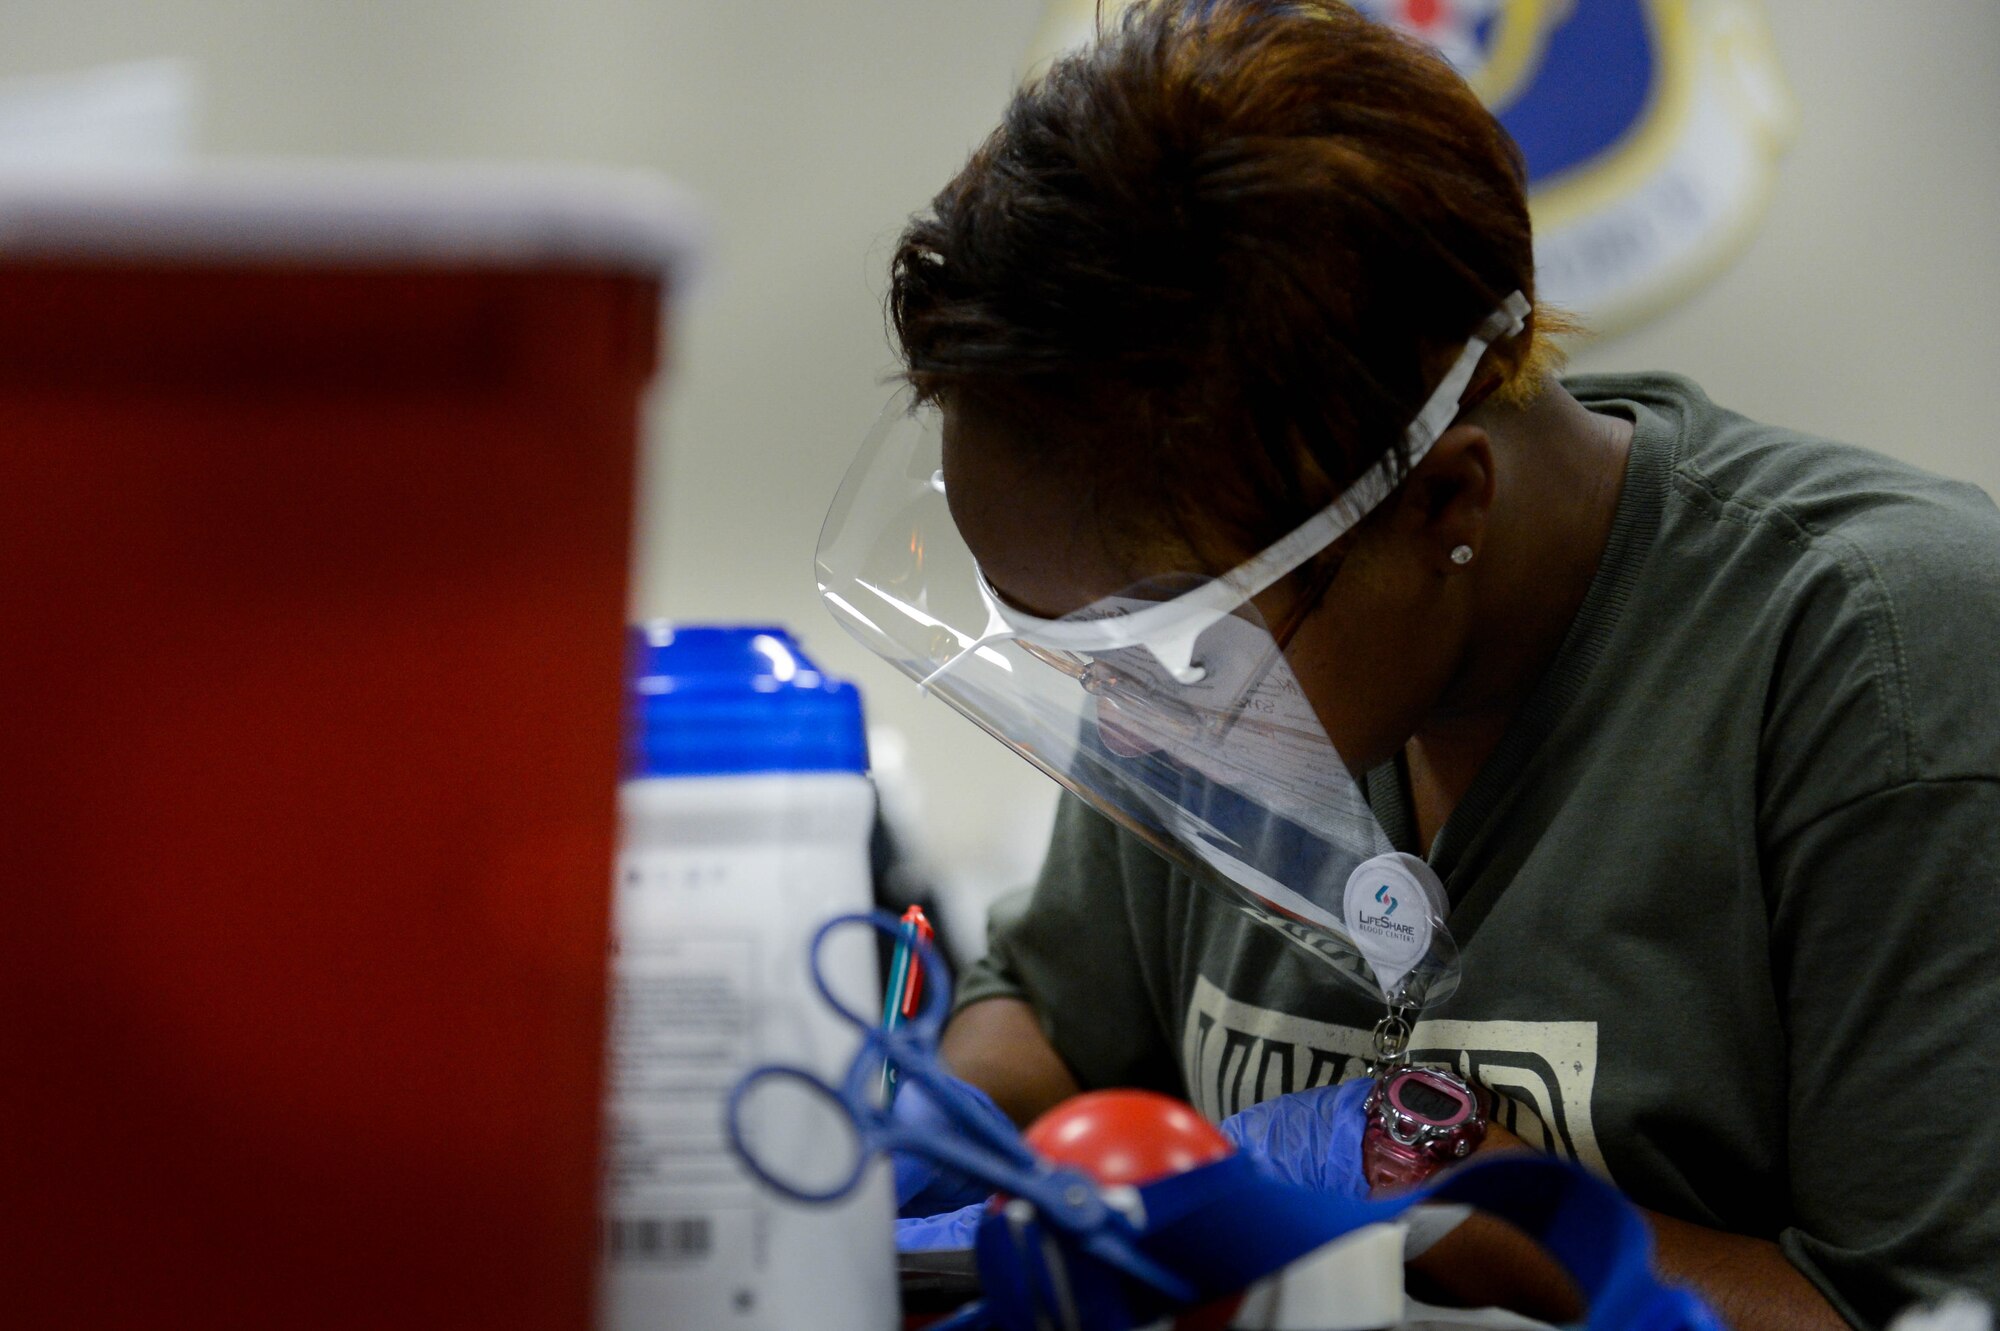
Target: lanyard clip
point(1392, 1044)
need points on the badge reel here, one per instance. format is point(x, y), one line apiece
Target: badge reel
point(1394, 908)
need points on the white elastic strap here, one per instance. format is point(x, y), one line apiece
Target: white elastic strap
point(1374, 485)
point(1182, 620)
point(1185, 617)
point(1443, 407)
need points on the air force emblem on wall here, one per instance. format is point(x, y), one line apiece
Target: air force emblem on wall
point(1651, 130)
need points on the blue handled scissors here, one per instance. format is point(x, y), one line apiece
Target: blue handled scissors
point(1066, 1199)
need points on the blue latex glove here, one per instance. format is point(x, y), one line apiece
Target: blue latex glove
point(953, 1229)
point(1310, 1138)
point(924, 1187)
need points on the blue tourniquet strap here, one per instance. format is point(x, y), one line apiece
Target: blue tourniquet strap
point(1590, 1230)
point(1227, 1225)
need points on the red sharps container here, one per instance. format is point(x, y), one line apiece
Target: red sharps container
point(315, 492)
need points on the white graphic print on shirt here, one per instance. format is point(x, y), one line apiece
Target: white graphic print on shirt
point(1234, 1054)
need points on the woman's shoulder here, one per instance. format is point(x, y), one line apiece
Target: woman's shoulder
point(1830, 520)
point(1863, 590)
point(1869, 587)
point(1811, 488)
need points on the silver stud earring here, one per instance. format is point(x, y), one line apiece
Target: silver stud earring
point(1461, 555)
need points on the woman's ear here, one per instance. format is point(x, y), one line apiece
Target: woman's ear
point(1447, 499)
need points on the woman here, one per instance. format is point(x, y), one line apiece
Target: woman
point(1688, 714)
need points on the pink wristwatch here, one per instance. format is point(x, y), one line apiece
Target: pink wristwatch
point(1419, 1121)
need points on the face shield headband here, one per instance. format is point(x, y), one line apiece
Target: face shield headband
point(1169, 629)
point(1169, 707)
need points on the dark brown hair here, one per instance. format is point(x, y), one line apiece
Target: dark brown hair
point(1224, 252)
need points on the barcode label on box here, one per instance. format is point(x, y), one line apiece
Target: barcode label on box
point(671, 1238)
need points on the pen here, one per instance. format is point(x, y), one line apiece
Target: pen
point(905, 987)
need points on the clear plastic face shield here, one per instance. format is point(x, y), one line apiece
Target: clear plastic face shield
point(1169, 707)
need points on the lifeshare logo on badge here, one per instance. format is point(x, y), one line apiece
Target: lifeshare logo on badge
point(1651, 128)
point(1391, 910)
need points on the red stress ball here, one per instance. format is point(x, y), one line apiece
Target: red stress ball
point(1135, 1137)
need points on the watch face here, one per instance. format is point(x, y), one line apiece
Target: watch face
point(1421, 1119)
point(1423, 1099)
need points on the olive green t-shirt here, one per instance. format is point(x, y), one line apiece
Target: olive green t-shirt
point(1725, 892)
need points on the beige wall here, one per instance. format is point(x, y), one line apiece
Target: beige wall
point(1868, 306)
point(1865, 309)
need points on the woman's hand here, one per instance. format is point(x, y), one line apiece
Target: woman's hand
point(1748, 1281)
point(1499, 1138)
point(1310, 1138)
point(923, 1186)
point(1487, 1263)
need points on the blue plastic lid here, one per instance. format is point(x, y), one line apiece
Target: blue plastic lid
point(709, 700)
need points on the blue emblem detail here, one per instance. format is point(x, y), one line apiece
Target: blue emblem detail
point(1591, 90)
point(1570, 81)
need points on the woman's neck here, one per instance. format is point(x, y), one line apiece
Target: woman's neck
point(1544, 556)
